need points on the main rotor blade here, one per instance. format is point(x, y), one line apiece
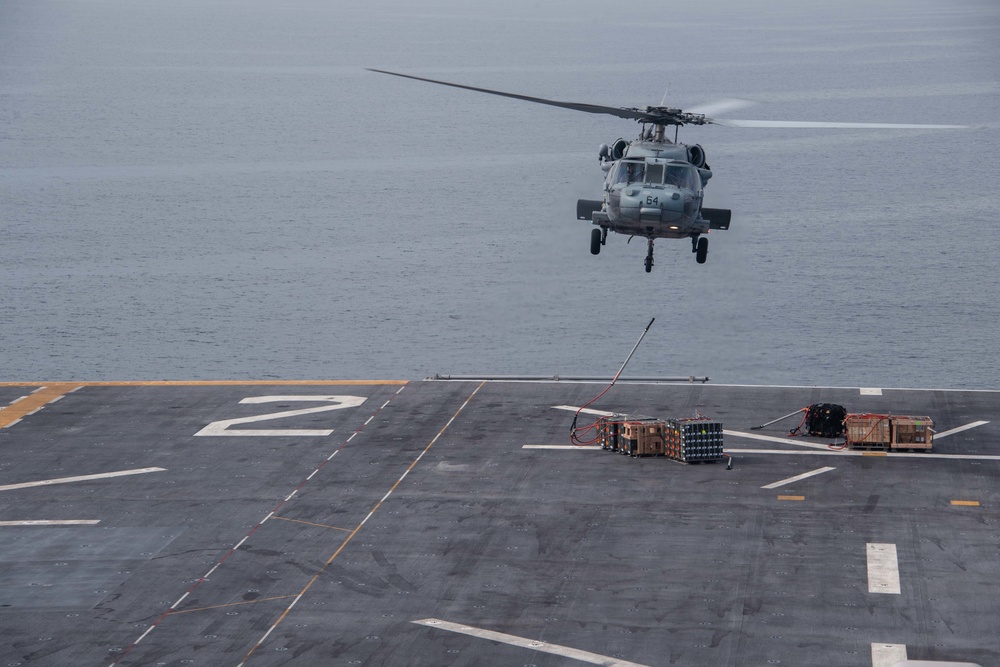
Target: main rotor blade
point(720, 107)
point(821, 124)
point(621, 112)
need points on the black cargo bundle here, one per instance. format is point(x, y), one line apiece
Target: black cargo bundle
point(825, 420)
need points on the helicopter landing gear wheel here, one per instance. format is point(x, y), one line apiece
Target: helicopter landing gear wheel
point(595, 242)
point(702, 251)
point(649, 257)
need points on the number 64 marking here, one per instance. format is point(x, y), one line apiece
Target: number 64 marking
point(339, 403)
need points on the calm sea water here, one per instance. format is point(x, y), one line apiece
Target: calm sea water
point(217, 189)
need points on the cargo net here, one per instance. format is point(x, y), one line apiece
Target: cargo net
point(823, 420)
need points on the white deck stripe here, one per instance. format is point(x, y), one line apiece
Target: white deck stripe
point(513, 640)
point(958, 429)
point(883, 569)
point(853, 452)
point(81, 478)
point(887, 655)
point(53, 522)
point(818, 471)
point(591, 447)
point(585, 411)
point(771, 438)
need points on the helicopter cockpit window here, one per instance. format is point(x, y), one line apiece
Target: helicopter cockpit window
point(618, 175)
point(683, 177)
point(654, 173)
point(633, 171)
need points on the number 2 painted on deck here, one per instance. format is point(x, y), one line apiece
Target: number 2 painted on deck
point(339, 403)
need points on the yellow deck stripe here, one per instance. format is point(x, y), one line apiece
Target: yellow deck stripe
point(208, 383)
point(42, 397)
point(966, 503)
point(791, 497)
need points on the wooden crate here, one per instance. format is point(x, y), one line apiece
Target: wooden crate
point(867, 431)
point(912, 433)
point(644, 438)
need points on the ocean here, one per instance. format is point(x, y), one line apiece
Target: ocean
point(220, 190)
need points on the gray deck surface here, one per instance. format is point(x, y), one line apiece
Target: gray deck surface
point(398, 516)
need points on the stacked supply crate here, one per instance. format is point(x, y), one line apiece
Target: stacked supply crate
point(642, 437)
point(912, 433)
point(693, 440)
point(609, 431)
point(867, 431)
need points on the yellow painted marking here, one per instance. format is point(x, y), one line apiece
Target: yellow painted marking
point(310, 523)
point(45, 395)
point(358, 528)
point(966, 503)
point(791, 497)
point(874, 454)
point(210, 383)
point(230, 604)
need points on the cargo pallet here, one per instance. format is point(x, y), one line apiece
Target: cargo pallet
point(687, 440)
point(884, 432)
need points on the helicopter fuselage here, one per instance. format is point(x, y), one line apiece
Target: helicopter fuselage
point(653, 190)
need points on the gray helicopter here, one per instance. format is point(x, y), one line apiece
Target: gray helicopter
point(653, 187)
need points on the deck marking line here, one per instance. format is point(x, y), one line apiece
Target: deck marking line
point(311, 475)
point(179, 600)
point(591, 447)
point(289, 496)
point(357, 529)
point(229, 604)
point(310, 523)
point(849, 452)
point(385, 404)
point(148, 630)
point(522, 642)
point(818, 471)
point(18, 400)
point(212, 383)
point(585, 411)
point(771, 438)
point(870, 391)
point(965, 503)
point(80, 478)
point(791, 497)
point(883, 568)
point(887, 655)
point(959, 429)
point(54, 522)
point(33, 402)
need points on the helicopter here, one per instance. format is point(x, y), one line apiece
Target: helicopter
point(654, 186)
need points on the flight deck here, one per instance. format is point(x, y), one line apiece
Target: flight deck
point(454, 523)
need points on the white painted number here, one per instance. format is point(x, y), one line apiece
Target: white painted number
point(339, 403)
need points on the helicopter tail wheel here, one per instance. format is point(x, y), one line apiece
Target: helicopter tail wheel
point(649, 257)
point(595, 241)
point(702, 251)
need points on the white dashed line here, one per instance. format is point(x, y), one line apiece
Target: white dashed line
point(514, 640)
point(818, 471)
point(883, 569)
